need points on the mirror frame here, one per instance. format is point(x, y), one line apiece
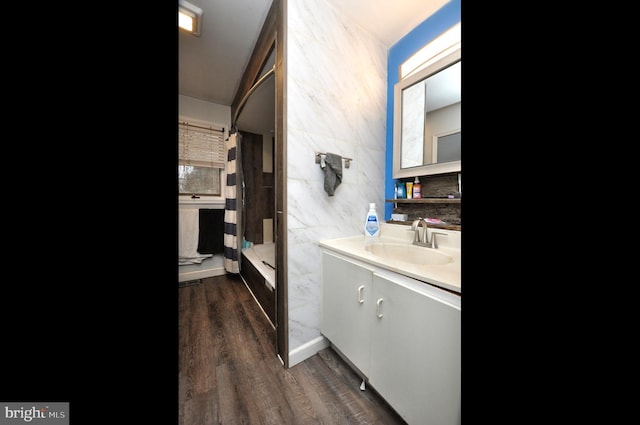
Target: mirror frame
point(427, 169)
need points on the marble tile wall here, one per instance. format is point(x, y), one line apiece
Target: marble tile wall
point(336, 86)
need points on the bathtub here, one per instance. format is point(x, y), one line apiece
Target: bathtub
point(263, 252)
point(259, 277)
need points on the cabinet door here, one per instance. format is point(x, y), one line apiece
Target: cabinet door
point(347, 302)
point(415, 354)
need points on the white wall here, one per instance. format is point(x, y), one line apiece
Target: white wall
point(190, 107)
point(336, 83)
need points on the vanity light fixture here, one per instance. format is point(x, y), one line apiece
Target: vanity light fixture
point(439, 47)
point(189, 17)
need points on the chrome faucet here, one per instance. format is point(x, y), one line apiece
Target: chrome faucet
point(418, 239)
point(423, 240)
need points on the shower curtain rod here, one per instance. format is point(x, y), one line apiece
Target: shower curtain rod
point(251, 90)
point(200, 126)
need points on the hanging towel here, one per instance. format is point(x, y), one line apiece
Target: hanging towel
point(188, 232)
point(211, 231)
point(332, 166)
point(188, 238)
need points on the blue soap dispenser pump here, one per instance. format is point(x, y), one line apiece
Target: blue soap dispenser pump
point(371, 224)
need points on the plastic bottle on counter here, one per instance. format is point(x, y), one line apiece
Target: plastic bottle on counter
point(417, 189)
point(401, 192)
point(371, 224)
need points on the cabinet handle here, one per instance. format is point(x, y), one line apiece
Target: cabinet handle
point(378, 308)
point(360, 288)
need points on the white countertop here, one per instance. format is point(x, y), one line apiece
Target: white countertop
point(447, 276)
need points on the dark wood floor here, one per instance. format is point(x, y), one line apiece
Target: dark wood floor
point(229, 372)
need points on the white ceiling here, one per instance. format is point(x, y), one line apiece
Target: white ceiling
point(387, 20)
point(210, 66)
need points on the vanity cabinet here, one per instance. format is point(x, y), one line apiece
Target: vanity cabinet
point(346, 308)
point(404, 336)
point(415, 354)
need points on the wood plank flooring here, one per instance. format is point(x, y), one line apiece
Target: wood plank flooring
point(229, 372)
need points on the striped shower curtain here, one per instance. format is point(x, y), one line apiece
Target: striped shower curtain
point(233, 205)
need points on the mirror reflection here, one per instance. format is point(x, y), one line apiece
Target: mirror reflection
point(427, 120)
point(446, 147)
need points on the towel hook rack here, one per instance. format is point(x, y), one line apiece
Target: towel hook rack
point(347, 161)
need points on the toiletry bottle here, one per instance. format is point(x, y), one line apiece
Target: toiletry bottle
point(400, 188)
point(417, 189)
point(409, 190)
point(371, 224)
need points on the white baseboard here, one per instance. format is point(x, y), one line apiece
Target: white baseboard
point(200, 274)
point(209, 267)
point(307, 350)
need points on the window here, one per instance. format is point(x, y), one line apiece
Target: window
point(201, 157)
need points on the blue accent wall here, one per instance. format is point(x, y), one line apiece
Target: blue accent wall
point(443, 19)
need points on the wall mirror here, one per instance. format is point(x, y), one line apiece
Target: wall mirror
point(427, 129)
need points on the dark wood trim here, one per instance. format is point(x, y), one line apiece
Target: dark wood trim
point(279, 8)
point(261, 51)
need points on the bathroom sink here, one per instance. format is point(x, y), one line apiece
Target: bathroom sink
point(414, 254)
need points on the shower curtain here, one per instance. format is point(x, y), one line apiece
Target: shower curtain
point(233, 217)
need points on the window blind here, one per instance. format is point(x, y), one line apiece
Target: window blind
point(200, 146)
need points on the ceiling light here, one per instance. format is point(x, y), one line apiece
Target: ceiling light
point(442, 45)
point(189, 17)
